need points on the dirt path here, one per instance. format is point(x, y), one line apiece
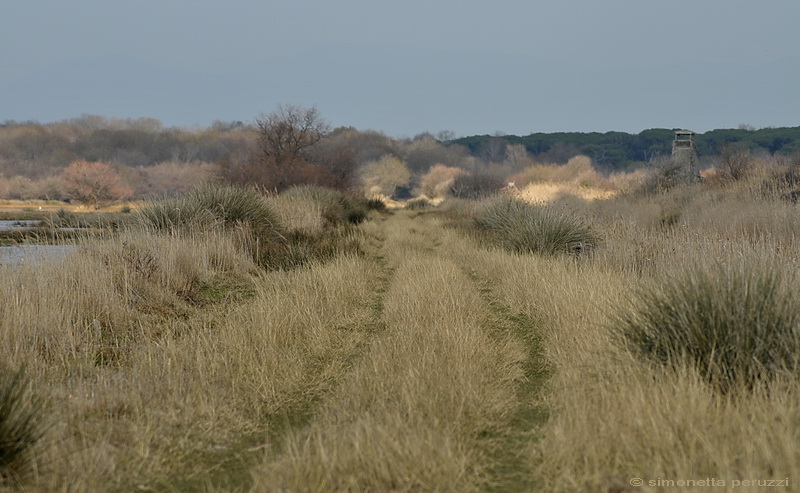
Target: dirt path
point(443, 398)
point(441, 393)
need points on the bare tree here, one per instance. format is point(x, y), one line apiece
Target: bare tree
point(285, 152)
point(287, 134)
point(736, 163)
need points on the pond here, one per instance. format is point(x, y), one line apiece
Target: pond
point(18, 254)
point(18, 225)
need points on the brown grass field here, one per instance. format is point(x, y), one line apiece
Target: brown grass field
point(424, 360)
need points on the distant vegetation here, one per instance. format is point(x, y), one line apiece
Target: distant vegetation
point(95, 160)
point(619, 150)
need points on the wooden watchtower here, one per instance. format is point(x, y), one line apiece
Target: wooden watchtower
point(684, 154)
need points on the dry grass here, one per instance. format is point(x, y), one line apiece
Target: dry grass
point(411, 413)
point(93, 331)
point(173, 362)
point(162, 358)
point(298, 212)
point(615, 418)
point(178, 390)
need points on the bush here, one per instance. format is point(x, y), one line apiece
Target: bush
point(417, 204)
point(736, 164)
point(578, 170)
point(255, 221)
point(665, 175)
point(209, 207)
point(93, 183)
point(337, 207)
point(303, 248)
point(385, 176)
point(475, 186)
point(21, 420)
point(376, 204)
point(438, 180)
point(320, 223)
point(737, 324)
point(528, 228)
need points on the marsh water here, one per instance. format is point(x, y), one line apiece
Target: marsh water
point(18, 225)
point(18, 254)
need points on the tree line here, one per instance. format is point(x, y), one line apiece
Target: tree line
point(612, 151)
point(95, 159)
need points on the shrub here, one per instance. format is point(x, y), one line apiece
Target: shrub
point(736, 164)
point(376, 204)
point(313, 215)
point(384, 176)
point(737, 324)
point(665, 175)
point(528, 228)
point(21, 425)
point(171, 178)
point(438, 180)
point(93, 183)
point(475, 186)
point(209, 207)
point(337, 207)
point(303, 248)
point(418, 204)
point(320, 223)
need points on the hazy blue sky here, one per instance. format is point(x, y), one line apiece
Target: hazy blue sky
point(472, 67)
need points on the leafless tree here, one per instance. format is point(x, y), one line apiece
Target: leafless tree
point(736, 163)
point(292, 147)
point(286, 135)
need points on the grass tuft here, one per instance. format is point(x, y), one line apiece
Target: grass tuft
point(376, 204)
point(528, 228)
point(20, 426)
point(737, 324)
point(418, 204)
point(211, 205)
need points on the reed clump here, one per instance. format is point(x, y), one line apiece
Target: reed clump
point(522, 227)
point(736, 323)
point(21, 425)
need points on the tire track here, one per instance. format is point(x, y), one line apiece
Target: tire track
point(443, 396)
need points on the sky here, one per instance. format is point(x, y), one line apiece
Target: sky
point(403, 68)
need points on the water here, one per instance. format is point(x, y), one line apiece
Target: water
point(18, 254)
point(18, 225)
